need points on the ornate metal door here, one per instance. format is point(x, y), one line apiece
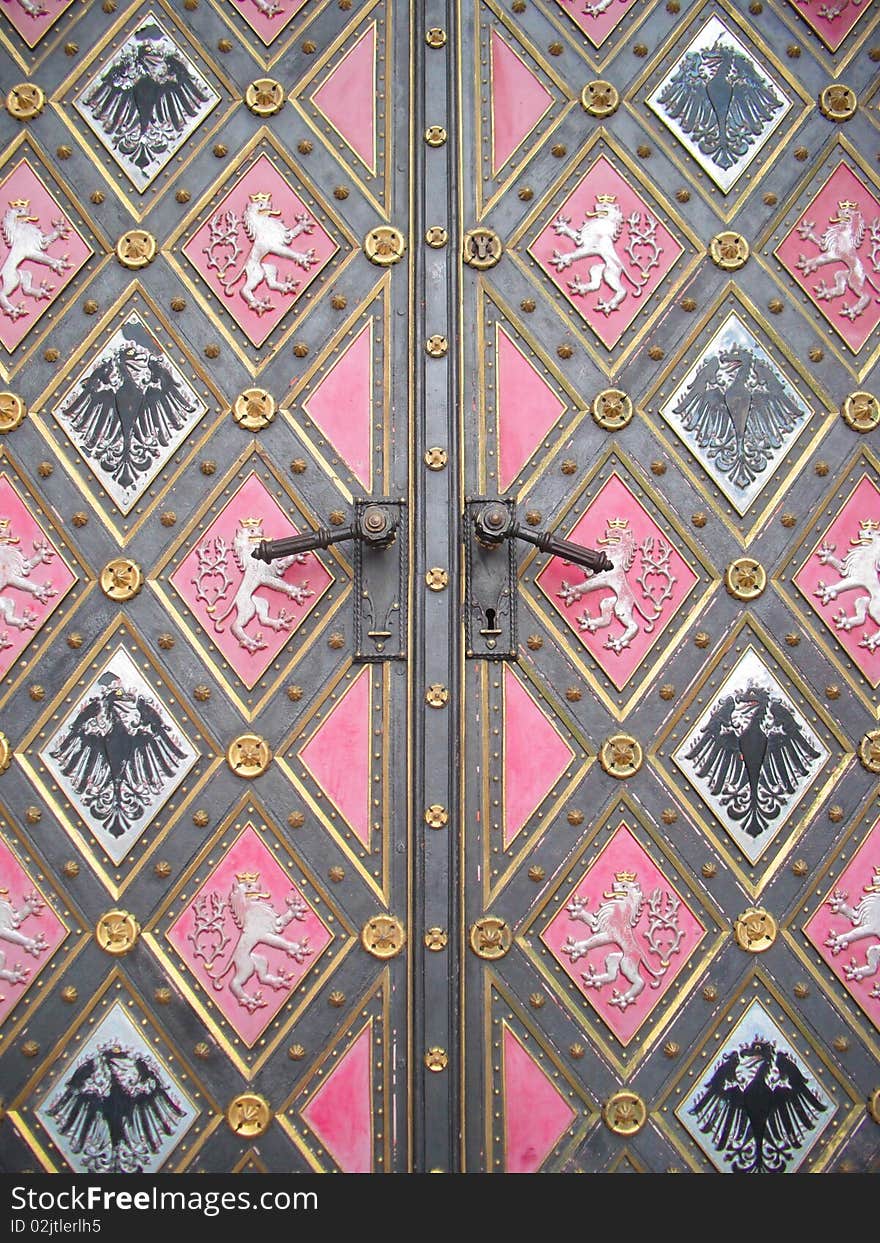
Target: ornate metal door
point(447, 851)
point(670, 830)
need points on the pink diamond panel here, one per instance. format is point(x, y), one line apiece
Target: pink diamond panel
point(832, 20)
point(519, 100)
point(260, 249)
point(268, 18)
point(40, 253)
point(619, 614)
point(596, 18)
point(34, 578)
point(606, 251)
point(347, 98)
point(338, 756)
point(846, 928)
point(341, 406)
point(249, 936)
point(535, 756)
point(830, 255)
point(623, 935)
point(527, 408)
point(247, 608)
point(536, 1114)
point(30, 931)
point(32, 18)
point(340, 1112)
point(841, 579)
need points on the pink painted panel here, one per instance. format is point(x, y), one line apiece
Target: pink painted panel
point(840, 591)
point(846, 928)
point(832, 22)
point(33, 20)
point(527, 408)
point(268, 18)
point(341, 1112)
point(249, 620)
point(519, 100)
point(240, 901)
point(35, 577)
point(626, 889)
point(615, 522)
point(844, 209)
point(347, 98)
point(535, 756)
point(338, 756)
point(597, 19)
point(261, 202)
point(604, 212)
point(536, 1114)
point(342, 405)
point(23, 906)
point(42, 257)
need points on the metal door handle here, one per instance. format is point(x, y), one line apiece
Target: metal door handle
point(495, 522)
point(376, 525)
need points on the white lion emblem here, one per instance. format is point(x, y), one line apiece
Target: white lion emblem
point(865, 920)
point(858, 570)
point(268, 236)
point(246, 604)
point(258, 923)
point(840, 243)
point(22, 234)
point(11, 920)
point(615, 923)
point(15, 569)
point(621, 546)
point(596, 237)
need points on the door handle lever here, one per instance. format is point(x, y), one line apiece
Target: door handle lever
point(495, 522)
point(376, 525)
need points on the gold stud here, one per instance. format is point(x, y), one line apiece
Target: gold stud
point(296, 1052)
point(117, 932)
point(437, 345)
point(200, 818)
point(729, 251)
point(136, 249)
point(436, 1059)
point(624, 1113)
point(481, 248)
point(490, 937)
point(5, 753)
point(436, 37)
point(248, 1115)
point(383, 936)
point(436, 458)
point(755, 930)
point(536, 873)
point(436, 579)
point(436, 816)
point(296, 819)
point(384, 245)
point(25, 101)
point(69, 994)
point(436, 236)
point(264, 97)
point(745, 578)
point(838, 102)
point(435, 135)
point(437, 696)
point(612, 409)
point(70, 869)
point(621, 756)
point(254, 409)
point(248, 755)
point(861, 412)
point(436, 939)
point(13, 412)
point(121, 579)
point(599, 98)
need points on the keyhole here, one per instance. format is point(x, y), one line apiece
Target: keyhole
point(490, 619)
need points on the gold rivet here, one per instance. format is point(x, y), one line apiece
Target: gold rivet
point(709, 870)
point(97, 197)
point(220, 150)
point(200, 818)
point(688, 304)
point(699, 520)
point(384, 245)
point(575, 816)
point(437, 695)
point(658, 468)
point(656, 352)
point(70, 869)
point(536, 873)
point(667, 691)
point(669, 815)
point(296, 1052)
point(612, 409)
point(624, 1113)
point(300, 350)
point(254, 409)
point(183, 195)
point(835, 813)
point(490, 937)
point(569, 466)
point(861, 412)
point(874, 1105)
point(69, 994)
point(163, 869)
point(202, 693)
point(838, 102)
point(832, 691)
point(168, 518)
point(336, 999)
point(437, 345)
point(528, 305)
point(537, 1001)
point(37, 692)
point(207, 467)
point(264, 97)
point(745, 578)
point(729, 251)
point(576, 1051)
point(435, 135)
point(841, 1043)
point(383, 936)
point(436, 37)
point(80, 518)
point(437, 578)
point(800, 867)
point(710, 992)
point(33, 815)
point(202, 1050)
point(534, 642)
point(436, 1059)
point(294, 693)
point(30, 1048)
point(117, 932)
point(573, 694)
point(304, 147)
point(25, 101)
point(821, 469)
point(45, 469)
point(816, 354)
point(121, 579)
point(162, 995)
point(296, 819)
point(671, 1049)
point(801, 991)
point(136, 249)
point(683, 195)
point(248, 1115)
point(248, 755)
point(436, 939)
point(178, 304)
point(13, 412)
point(166, 641)
point(74, 640)
point(755, 930)
point(599, 98)
point(436, 816)
point(436, 236)
point(776, 306)
point(64, 152)
point(621, 756)
point(336, 641)
point(525, 194)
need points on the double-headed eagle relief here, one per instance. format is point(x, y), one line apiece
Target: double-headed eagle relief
point(758, 1110)
point(146, 103)
point(720, 103)
point(128, 411)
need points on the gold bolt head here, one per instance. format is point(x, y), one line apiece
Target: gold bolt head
point(436, 939)
point(612, 409)
point(436, 458)
point(729, 251)
point(436, 816)
point(436, 37)
point(436, 1059)
point(254, 409)
point(264, 97)
point(383, 936)
point(437, 696)
point(13, 412)
point(248, 1115)
point(136, 249)
point(600, 98)
point(121, 579)
point(755, 930)
point(437, 346)
point(436, 236)
point(248, 755)
point(25, 101)
point(117, 932)
point(435, 135)
point(384, 245)
point(436, 579)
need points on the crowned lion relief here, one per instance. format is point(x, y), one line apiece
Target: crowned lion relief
point(864, 919)
point(841, 243)
point(27, 242)
point(15, 570)
point(859, 571)
point(597, 239)
point(11, 920)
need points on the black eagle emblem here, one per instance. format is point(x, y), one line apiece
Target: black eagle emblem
point(146, 98)
point(118, 753)
point(753, 754)
point(129, 408)
point(758, 1108)
point(117, 1110)
point(739, 412)
point(721, 101)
